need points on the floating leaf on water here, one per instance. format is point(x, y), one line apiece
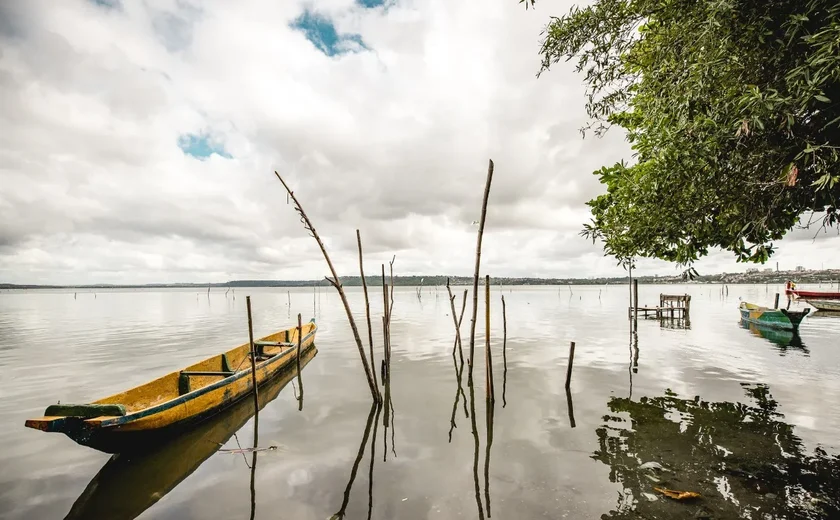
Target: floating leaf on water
point(677, 495)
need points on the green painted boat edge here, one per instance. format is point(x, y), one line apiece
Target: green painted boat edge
point(781, 319)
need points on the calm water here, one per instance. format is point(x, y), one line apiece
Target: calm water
point(751, 423)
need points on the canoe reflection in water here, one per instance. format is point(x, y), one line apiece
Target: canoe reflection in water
point(742, 459)
point(130, 483)
point(784, 340)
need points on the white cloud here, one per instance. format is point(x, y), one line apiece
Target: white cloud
point(393, 140)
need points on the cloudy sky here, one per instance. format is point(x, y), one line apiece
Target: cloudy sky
point(138, 141)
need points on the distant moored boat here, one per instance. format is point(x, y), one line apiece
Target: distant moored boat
point(792, 292)
point(774, 318)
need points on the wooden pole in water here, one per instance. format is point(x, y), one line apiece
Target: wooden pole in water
point(488, 358)
point(571, 362)
point(636, 303)
point(299, 377)
point(455, 321)
point(478, 266)
point(367, 307)
point(253, 355)
point(776, 303)
point(386, 325)
point(335, 281)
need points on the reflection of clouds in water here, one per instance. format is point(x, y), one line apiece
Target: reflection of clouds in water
point(299, 477)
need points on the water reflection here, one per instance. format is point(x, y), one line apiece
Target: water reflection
point(373, 418)
point(784, 340)
point(459, 392)
point(128, 484)
point(743, 459)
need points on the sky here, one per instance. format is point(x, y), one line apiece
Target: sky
point(138, 141)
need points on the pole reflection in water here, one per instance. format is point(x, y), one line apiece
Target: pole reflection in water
point(128, 484)
point(743, 460)
point(372, 459)
point(370, 420)
point(459, 391)
point(476, 443)
point(571, 408)
point(489, 425)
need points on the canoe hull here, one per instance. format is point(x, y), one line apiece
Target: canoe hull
point(771, 318)
point(143, 427)
point(813, 295)
point(824, 305)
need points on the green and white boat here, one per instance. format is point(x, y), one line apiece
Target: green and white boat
point(772, 318)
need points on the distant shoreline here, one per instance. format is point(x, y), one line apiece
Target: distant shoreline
point(761, 277)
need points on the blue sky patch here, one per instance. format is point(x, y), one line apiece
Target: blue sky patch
point(107, 3)
point(321, 32)
point(370, 3)
point(200, 146)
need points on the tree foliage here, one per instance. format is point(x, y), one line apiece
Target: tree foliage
point(732, 108)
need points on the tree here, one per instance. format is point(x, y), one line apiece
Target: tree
point(732, 108)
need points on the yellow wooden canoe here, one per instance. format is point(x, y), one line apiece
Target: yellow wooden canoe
point(128, 484)
point(143, 415)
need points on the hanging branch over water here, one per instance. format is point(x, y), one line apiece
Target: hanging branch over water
point(478, 266)
point(367, 308)
point(336, 282)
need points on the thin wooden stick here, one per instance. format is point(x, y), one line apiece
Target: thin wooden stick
point(488, 358)
point(391, 307)
point(386, 319)
point(478, 266)
point(367, 307)
point(504, 352)
point(571, 362)
point(336, 282)
point(299, 377)
point(456, 322)
point(253, 360)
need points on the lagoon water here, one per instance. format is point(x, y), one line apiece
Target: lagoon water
point(748, 419)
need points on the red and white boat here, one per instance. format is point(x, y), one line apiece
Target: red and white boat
point(792, 292)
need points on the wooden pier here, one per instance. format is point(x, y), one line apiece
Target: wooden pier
point(670, 306)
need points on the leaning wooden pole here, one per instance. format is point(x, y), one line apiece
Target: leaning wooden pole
point(488, 358)
point(336, 282)
point(253, 357)
point(478, 266)
point(456, 322)
point(367, 308)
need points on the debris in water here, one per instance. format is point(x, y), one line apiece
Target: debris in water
point(677, 495)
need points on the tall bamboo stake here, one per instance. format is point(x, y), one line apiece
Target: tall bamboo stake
point(478, 265)
point(336, 282)
point(367, 308)
point(253, 362)
point(299, 377)
point(488, 358)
